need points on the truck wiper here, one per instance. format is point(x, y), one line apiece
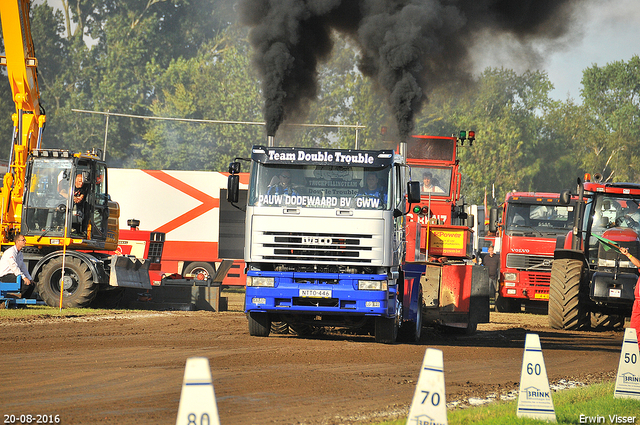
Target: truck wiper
point(532, 228)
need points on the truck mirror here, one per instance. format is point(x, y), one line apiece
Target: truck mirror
point(234, 167)
point(565, 197)
point(413, 192)
point(493, 220)
point(233, 188)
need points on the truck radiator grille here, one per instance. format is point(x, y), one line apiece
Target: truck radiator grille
point(539, 279)
point(538, 263)
point(320, 247)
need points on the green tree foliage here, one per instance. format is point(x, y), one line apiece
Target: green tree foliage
point(612, 97)
point(506, 110)
point(215, 85)
point(188, 59)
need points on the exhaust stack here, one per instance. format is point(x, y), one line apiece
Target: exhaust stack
point(403, 148)
point(271, 141)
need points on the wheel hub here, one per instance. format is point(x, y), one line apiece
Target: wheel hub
point(66, 282)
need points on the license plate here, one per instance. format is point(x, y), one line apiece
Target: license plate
point(541, 296)
point(315, 293)
point(615, 293)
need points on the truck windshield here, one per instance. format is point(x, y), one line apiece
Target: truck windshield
point(320, 186)
point(434, 180)
point(538, 220)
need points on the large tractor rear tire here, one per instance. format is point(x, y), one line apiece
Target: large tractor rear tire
point(602, 322)
point(79, 289)
point(566, 307)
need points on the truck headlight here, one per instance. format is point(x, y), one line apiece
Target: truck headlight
point(511, 276)
point(372, 285)
point(261, 281)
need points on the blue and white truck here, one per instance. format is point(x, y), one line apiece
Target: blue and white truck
point(326, 240)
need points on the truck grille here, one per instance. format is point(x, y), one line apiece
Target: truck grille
point(539, 263)
point(320, 247)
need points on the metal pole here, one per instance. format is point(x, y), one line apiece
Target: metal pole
point(106, 131)
point(358, 124)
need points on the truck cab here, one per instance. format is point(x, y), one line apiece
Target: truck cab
point(325, 239)
point(531, 223)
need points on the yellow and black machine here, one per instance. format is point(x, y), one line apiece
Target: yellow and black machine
point(56, 198)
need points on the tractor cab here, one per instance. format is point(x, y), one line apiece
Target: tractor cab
point(69, 190)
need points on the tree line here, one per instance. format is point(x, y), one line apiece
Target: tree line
point(183, 59)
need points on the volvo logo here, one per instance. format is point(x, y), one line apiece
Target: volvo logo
point(546, 263)
point(308, 240)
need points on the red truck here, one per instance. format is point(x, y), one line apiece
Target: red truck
point(454, 291)
point(530, 225)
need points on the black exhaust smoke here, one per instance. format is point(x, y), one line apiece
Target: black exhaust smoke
point(407, 46)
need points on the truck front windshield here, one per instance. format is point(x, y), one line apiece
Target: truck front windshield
point(538, 220)
point(434, 180)
point(320, 186)
point(47, 193)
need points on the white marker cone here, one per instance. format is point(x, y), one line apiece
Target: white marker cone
point(198, 400)
point(429, 405)
point(628, 380)
point(534, 397)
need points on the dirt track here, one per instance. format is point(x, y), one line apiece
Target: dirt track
point(127, 368)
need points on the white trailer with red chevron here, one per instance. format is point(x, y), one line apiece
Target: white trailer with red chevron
point(189, 207)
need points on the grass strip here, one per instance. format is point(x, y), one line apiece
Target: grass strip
point(591, 404)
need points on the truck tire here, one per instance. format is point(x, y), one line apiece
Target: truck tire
point(201, 270)
point(386, 328)
point(602, 322)
point(259, 324)
point(300, 329)
point(79, 288)
point(507, 305)
point(411, 331)
point(280, 328)
point(566, 307)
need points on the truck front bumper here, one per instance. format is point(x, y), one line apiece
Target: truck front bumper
point(321, 293)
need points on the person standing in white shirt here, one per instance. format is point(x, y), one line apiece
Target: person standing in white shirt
point(12, 265)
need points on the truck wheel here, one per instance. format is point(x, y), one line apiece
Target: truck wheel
point(280, 328)
point(411, 331)
point(566, 309)
point(78, 289)
point(601, 322)
point(300, 329)
point(507, 305)
point(387, 327)
point(201, 270)
point(259, 324)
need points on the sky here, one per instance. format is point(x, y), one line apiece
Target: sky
point(605, 31)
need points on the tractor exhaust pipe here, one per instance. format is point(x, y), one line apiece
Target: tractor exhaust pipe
point(271, 141)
